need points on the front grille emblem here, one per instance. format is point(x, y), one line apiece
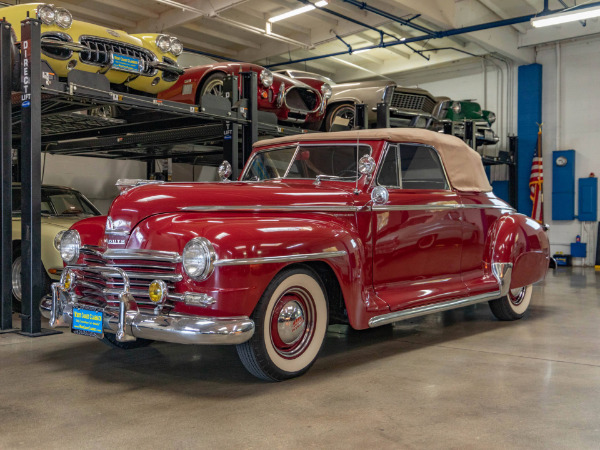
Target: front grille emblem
point(113, 33)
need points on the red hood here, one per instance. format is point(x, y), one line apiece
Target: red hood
point(141, 202)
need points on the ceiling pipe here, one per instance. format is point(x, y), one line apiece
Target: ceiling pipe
point(437, 35)
point(387, 15)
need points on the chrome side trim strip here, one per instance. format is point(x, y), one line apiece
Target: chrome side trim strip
point(280, 259)
point(274, 208)
point(435, 207)
point(396, 316)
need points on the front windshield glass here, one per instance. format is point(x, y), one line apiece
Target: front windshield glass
point(57, 202)
point(307, 162)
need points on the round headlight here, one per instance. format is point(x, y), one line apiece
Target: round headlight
point(491, 117)
point(63, 19)
point(163, 42)
point(69, 246)
point(176, 46)
point(456, 107)
point(266, 78)
point(198, 258)
point(326, 90)
point(57, 239)
point(46, 14)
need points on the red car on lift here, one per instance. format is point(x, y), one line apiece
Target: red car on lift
point(292, 101)
point(364, 228)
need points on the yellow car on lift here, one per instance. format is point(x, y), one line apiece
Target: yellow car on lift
point(146, 62)
point(61, 207)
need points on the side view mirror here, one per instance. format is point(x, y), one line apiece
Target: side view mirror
point(380, 195)
point(224, 170)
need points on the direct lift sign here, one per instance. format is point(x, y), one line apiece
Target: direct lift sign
point(26, 79)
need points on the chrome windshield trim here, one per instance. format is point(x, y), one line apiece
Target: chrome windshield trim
point(280, 259)
point(274, 208)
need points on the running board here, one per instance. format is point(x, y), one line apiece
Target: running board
point(396, 316)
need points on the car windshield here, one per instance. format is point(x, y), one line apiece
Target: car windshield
point(58, 202)
point(307, 162)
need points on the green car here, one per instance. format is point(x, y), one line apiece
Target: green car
point(61, 207)
point(457, 111)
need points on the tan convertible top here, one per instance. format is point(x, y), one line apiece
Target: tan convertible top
point(463, 164)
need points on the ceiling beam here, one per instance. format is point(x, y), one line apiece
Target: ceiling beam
point(171, 18)
point(229, 37)
point(95, 16)
point(212, 48)
point(125, 6)
point(497, 9)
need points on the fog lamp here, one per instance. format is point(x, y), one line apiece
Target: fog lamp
point(157, 291)
point(69, 279)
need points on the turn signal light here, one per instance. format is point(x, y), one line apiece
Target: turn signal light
point(68, 281)
point(157, 291)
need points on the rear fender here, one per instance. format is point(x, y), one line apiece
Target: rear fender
point(517, 251)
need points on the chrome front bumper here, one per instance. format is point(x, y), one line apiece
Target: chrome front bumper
point(129, 323)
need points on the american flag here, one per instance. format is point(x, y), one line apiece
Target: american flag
point(536, 181)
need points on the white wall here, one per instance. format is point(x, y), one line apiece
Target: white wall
point(579, 127)
point(94, 177)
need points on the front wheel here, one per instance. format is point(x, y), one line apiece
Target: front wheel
point(291, 320)
point(513, 305)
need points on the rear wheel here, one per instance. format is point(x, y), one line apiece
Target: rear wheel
point(291, 320)
point(513, 305)
point(343, 111)
point(111, 340)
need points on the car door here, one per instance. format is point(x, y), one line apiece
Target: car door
point(418, 232)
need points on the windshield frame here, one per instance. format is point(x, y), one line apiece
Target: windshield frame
point(293, 159)
point(64, 190)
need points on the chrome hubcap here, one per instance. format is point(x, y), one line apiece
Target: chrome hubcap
point(517, 295)
point(16, 278)
point(291, 323)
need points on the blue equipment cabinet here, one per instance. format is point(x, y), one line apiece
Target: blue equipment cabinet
point(588, 199)
point(563, 185)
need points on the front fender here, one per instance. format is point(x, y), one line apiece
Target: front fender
point(247, 242)
point(519, 240)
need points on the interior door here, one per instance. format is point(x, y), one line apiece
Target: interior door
point(418, 233)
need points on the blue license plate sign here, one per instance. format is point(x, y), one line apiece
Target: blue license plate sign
point(126, 63)
point(87, 322)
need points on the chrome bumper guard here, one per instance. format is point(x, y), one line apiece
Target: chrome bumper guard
point(129, 323)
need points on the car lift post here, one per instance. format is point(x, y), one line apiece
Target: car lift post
point(31, 188)
point(360, 117)
point(231, 129)
point(383, 115)
point(250, 128)
point(6, 181)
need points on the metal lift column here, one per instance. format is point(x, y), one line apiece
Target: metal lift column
point(231, 129)
point(6, 177)
point(249, 129)
point(31, 116)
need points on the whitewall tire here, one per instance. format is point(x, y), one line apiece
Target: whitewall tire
point(291, 321)
point(514, 305)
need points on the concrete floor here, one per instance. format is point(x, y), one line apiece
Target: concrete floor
point(459, 379)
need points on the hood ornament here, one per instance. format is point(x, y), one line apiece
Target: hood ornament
point(224, 171)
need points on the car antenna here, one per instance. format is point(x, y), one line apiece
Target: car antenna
point(356, 192)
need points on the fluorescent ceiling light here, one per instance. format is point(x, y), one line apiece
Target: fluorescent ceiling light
point(571, 16)
point(361, 51)
point(295, 12)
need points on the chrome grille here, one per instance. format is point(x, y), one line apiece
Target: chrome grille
point(142, 267)
point(412, 102)
point(100, 51)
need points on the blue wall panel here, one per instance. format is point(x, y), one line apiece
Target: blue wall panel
point(563, 185)
point(500, 188)
point(588, 199)
point(529, 115)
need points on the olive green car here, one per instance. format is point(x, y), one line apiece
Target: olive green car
point(61, 207)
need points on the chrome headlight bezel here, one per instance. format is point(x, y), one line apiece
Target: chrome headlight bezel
point(66, 20)
point(456, 107)
point(266, 78)
point(70, 243)
point(198, 258)
point(163, 42)
point(326, 91)
point(176, 46)
point(46, 13)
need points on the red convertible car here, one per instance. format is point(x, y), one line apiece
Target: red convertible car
point(290, 100)
point(361, 227)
